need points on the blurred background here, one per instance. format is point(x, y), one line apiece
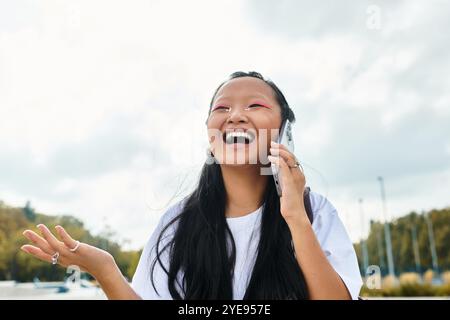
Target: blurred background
point(102, 110)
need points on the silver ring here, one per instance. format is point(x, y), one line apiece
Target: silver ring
point(76, 247)
point(297, 164)
point(55, 258)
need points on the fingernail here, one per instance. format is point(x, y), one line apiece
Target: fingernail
point(273, 143)
point(272, 158)
point(24, 249)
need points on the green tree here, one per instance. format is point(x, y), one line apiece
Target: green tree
point(17, 265)
point(29, 212)
point(402, 241)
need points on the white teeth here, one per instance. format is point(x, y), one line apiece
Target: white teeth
point(238, 136)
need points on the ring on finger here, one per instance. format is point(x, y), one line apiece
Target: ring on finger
point(77, 245)
point(297, 164)
point(55, 258)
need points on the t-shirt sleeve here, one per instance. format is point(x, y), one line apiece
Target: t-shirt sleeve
point(142, 281)
point(336, 243)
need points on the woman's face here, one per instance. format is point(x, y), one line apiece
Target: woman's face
point(244, 118)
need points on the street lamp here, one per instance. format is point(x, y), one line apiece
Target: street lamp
point(387, 232)
point(432, 243)
point(415, 246)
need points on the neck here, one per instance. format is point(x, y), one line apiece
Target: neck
point(245, 188)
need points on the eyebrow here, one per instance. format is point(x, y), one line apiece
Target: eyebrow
point(251, 97)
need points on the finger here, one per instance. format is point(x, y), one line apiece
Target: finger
point(277, 148)
point(51, 239)
point(277, 145)
point(288, 157)
point(287, 180)
point(292, 162)
point(37, 252)
point(66, 238)
point(297, 172)
point(38, 241)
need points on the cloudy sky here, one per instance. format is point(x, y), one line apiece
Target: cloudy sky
point(103, 103)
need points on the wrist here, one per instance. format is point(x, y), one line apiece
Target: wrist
point(298, 222)
point(109, 273)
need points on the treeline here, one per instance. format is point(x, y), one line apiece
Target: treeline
point(19, 266)
point(16, 265)
point(404, 231)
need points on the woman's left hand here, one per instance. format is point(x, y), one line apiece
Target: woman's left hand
point(292, 182)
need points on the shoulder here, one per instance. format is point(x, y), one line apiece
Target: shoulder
point(142, 281)
point(321, 206)
point(335, 242)
point(327, 224)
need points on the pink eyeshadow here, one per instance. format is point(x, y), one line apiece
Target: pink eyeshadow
point(219, 105)
point(262, 104)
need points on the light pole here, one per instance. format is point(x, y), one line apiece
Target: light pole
point(363, 241)
point(380, 250)
point(415, 247)
point(387, 232)
point(432, 243)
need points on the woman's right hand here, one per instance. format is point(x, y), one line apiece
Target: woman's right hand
point(95, 261)
point(99, 263)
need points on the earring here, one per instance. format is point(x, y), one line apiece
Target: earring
point(209, 156)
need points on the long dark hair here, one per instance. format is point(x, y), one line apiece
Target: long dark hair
point(199, 247)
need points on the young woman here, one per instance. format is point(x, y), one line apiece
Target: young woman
point(233, 237)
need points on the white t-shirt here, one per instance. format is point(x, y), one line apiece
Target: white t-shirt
point(327, 226)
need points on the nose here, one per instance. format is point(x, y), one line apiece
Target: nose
point(237, 116)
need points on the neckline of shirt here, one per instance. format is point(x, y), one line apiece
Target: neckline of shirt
point(236, 222)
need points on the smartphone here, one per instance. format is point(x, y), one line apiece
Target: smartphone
point(284, 138)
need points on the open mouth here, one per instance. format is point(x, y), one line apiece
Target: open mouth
point(238, 137)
